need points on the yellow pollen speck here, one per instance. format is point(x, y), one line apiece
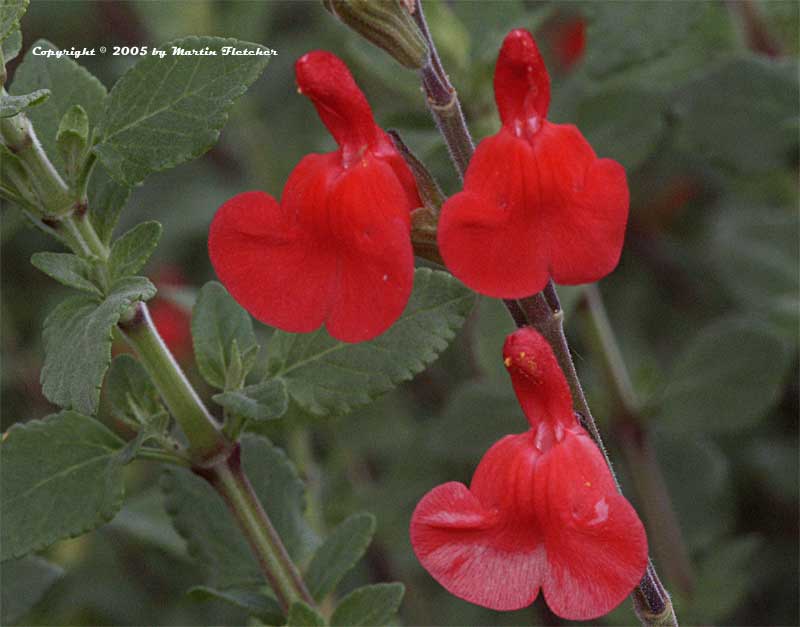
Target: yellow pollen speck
point(588, 484)
point(522, 355)
point(299, 91)
point(507, 362)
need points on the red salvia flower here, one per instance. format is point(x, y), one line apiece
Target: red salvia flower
point(542, 510)
point(337, 249)
point(537, 202)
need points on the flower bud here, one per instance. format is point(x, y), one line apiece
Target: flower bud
point(387, 24)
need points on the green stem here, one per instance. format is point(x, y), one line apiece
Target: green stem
point(230, 481)
point(206, 440)
point(54, 195)
point(302, 453)
point(651, 600)
point(638, 450)
point(158, 455)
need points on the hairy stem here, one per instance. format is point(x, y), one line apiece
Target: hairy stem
point(19, 137)
point(204, 434)
point(542, 311)
point(230, 481)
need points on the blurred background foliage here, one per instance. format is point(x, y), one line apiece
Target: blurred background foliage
point(699, 101)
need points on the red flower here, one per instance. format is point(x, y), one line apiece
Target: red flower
point(569, 41)
point(172, 321)
point(537, 202)
point(542, 510)
point(337, 249)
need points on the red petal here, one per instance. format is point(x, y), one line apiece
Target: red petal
point(583, 204)
point(537, 378)
point(174, 327)
point(521, 82)
point(269, 265)
point(342, 107)
point(596, 544)
point(369, 220)
point(488, 236)
point(461, 545)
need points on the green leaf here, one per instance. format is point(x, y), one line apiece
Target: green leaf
point(256, 601)
point(684, 457)
point(633, 33)
point(61, 477)
point(131, 251)
point(74, 122)
point(727, 378)
point(301, 615)
point(77, 343)
point(262, 401)
point(217, 323)
point(12, 44)
point(327, 376)
point(11, 105)
point(67, 269)
point(741, 113)
point(369, 606)
point(106, 201)
point(339, 553)
point(723, 580)
point(69, 84)
point(25, 582)
point(163, 112)
point(72, 138)
point(213, 536)
point(481, 412)
point(755, 252)
point(11, 11)
point(132, 394)
point(623, 124)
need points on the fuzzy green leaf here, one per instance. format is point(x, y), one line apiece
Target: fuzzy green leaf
point(217, 323)
point(338, 554)
point(369, 606)
point(641, 32)
point(106, 201)
point(25, 581)
point(77, 343)
point(61, 477)
point(301, 615)
point(608, 117)
point(131, 251)
point(12, 44)
point(11, 11)
point(132, 394)
point(69, 83)
point(761, 91)
point(727, 378)
point(72, 138)
point(11, 105)
point(213, 537)
point(67, 269)
point(163, 112)
point(256, 601)
point(756, 254)
point(262, 401)
point(327, 376)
